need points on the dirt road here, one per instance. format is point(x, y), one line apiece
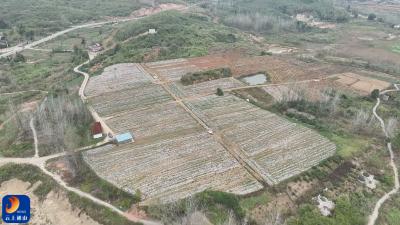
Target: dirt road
point(21, 92)
point(12, 50)
point(374, 216)
point(41, 163)
point(106, 129)
point(35, 141)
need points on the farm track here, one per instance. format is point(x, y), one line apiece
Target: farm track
point(94, 114)
point(40, 162)
point(279, 84)
point(374, 215)
point(231, 148)
point(21, 92)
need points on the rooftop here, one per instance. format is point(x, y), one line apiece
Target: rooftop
point(124, 137)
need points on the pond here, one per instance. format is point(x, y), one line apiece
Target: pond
point(256, 79)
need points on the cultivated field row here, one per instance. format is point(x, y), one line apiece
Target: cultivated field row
point(117, 78)
point(172, 70)
point(174, 157)
point(156, 120)
point(172, 169)
point(139, 95)
point(280, 148)
point(203, 88)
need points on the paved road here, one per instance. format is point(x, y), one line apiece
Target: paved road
point(374, 215)
point(12, 50)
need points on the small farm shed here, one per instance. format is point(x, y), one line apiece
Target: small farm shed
point(97, 47)
point(152, 31)
point(124, 138)
point(97, 130)
point(385, 97)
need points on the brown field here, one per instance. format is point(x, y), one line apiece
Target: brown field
point(360, 83)
point(279, 69)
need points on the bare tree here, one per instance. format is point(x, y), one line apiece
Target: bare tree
point(364, 121)
point(57, 120)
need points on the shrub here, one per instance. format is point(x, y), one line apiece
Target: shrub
point(220, 92)
point(230, 201)
point(371, 16)
point(198, 77)
point(375, 93)
point(19, 58)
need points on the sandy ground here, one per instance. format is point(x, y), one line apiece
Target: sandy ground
point(54, 210)
point(153, 10)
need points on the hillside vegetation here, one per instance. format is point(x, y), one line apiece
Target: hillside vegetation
point(178, 35)
point(268, 16)
point(26, 19)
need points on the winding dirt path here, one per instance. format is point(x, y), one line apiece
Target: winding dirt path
point(21, 92)
point(374, 215)
point(41, 163)
point(35, 139)
point(106, 129)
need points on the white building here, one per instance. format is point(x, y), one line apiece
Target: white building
point(152, 31)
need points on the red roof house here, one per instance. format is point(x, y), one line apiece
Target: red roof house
point(97, 130)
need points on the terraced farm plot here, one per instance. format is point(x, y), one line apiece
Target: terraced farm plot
point(280, 70)
point(361, 83)
point(278, 148)
point(203, 88)
point(117, 78)
point(172, 169)
point(158, 121)
point(138, 95)
point(174, 156)
point(171, 70)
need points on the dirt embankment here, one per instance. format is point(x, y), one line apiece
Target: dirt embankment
point(153, 10)
point(55, 209)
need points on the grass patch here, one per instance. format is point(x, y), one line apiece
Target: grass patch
point(349, 210)
point(393, 216)
point(216, 205)
point(98, 213)
point(396, 48)
point(249, 203)
point(87, 180)
point(348, 146)
point(13, 143)
point(29, 174)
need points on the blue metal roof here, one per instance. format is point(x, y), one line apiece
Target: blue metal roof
point(124, 137)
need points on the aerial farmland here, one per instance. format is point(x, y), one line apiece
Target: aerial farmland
point(187, 139)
